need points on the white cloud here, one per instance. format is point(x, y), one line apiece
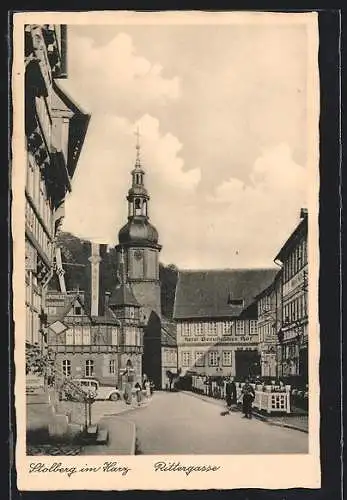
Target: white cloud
point(245, 224)
point(114, 77)
point(226, 118)
point(97, 207)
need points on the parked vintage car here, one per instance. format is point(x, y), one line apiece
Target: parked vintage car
point(90, 387)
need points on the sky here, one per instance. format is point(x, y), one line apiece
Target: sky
point(222, 113)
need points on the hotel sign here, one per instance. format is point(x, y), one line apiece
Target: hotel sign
point(225, 339)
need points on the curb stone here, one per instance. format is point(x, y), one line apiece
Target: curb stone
point(125, 410)
point(263, 418)
point(133, 439)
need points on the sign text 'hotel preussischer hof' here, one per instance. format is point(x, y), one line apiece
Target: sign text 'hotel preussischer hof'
point(226, 339)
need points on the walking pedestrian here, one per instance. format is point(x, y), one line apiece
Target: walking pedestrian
point(138, 393)
point(248, 396)
point(148, 388)
point(230, 393)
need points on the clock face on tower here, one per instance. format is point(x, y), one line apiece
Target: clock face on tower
point(138, 255)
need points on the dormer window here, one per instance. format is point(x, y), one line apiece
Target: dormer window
point(78, 310)
point(235, 301)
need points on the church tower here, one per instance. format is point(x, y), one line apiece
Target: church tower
point(139, 239)
point(139, 247)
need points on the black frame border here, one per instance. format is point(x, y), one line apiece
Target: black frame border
point(330, 293)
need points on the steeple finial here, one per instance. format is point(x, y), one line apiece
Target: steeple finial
point(138, 158)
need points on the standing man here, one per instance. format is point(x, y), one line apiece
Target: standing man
point(230, 393)
point(248, 396)
point(129, 376)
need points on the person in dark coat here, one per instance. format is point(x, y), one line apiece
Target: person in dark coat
point(230, 393)
point(248, 396)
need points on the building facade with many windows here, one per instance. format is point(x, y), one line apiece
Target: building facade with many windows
point(91, 342)
point(293, 339)
point(83, 345)
point(55, 129)
point(216, 319)
point(269, 325)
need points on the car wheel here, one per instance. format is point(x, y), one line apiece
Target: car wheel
point(114, 396)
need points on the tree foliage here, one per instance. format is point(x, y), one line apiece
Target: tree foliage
point(37, 362)
point(77, 251)
point(168, 277)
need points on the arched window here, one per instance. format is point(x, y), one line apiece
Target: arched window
point(138, 206)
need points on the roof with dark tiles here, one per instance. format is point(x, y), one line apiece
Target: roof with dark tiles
point(202, 294)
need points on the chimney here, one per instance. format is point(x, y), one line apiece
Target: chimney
point(95, 272)
point(107, 301)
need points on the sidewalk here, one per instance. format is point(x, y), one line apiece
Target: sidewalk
point(100, 409)
point(122, 434)
point(291, 421)
point(121, 438)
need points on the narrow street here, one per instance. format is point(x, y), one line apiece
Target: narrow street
point(177, 423)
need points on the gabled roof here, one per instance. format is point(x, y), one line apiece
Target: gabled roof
point(168, 333)
point(78, 126)
point(269, 289)
point(107, 319)
point(206, 293)
point(70, 304)
point(123, 295)
point(299, 231)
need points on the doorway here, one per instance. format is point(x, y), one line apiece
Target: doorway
point(247, 364)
